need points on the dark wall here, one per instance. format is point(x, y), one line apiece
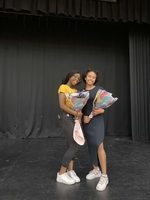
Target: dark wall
point(35, 58)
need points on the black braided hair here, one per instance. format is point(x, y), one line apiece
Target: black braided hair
point(70, 74)
point(90, 70)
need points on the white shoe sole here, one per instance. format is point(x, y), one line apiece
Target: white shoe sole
point(66, 183)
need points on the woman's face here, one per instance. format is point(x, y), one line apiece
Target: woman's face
point(90, 78)
point(75, 79)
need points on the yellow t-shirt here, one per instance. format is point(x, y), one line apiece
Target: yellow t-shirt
point(66, 89)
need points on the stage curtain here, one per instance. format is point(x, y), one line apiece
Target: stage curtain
point(34, 60)
point(139, 51)
point(122, 11)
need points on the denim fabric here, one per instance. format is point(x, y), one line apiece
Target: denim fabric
point(67, 125)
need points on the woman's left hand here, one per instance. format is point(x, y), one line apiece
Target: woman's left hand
point(86, 119)
point(98, 111)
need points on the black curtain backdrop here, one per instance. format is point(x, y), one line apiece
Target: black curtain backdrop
point(139, 51)
point(123, 10)
point(34, 59)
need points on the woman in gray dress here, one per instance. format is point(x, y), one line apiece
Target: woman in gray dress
point(93, 128)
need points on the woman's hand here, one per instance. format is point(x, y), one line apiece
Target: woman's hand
point(79, 114)
point(98, 111)
point(86, 119)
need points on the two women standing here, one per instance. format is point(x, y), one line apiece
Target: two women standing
point(93, 128)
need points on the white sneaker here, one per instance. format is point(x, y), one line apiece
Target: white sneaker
point(102, 184)
point(64, 178)
point(73, 175)
point(95, 173)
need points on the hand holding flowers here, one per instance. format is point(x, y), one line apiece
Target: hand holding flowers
point(76, 102)
point(103, 99)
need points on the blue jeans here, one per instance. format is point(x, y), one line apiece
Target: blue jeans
point(67, 125)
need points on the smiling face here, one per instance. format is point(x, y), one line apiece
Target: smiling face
point(90, 78)
point(75, 79)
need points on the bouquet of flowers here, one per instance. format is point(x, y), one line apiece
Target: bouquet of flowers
point(103, 99)
point(77, 100)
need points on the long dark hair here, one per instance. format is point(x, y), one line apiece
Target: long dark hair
point(90, 70)
point(70, 74)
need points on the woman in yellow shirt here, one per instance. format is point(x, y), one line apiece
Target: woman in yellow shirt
point(66, 174)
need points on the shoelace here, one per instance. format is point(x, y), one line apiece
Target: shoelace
point(102, 180)
point(94, 171)
point(74, 173)
point(68, 176)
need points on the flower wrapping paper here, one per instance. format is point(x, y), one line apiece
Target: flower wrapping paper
point(77, 100)
point(78, 134)
point(103, 99)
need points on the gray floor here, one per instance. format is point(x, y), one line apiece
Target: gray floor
point(28, 170)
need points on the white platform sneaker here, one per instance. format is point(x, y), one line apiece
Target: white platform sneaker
point(73, 175)
point(102, 184)
point(95, 173)
point(64, 178)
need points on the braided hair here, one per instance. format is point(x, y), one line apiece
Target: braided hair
point(70, 74)
point(90, 70)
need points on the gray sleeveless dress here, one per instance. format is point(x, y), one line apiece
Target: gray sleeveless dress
point(94, 130)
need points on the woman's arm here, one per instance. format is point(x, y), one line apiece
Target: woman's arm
point(98, 111)
point(62, 104)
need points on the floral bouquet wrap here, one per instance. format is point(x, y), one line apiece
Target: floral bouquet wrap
point(77, 101)
point(103, 99)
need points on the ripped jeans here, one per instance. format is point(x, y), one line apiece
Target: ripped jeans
point(67, 125)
